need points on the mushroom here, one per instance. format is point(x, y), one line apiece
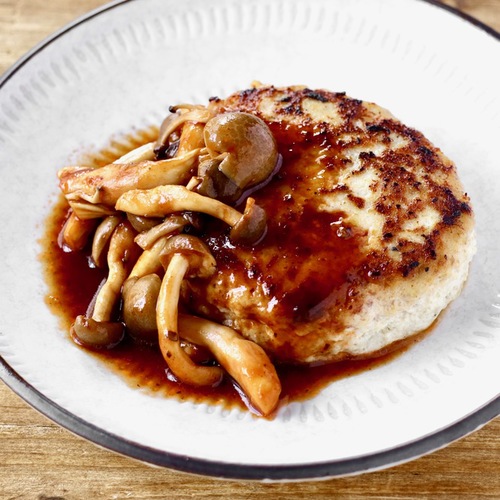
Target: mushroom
point(99, 330)
point(97, 334)
point(141, 224)
point(153, 244)
point(245, 361)
point(103, 186)
point(247, 228)
point(168, 226)
point(89, 210)
point(180, 114)
point(213, 183)
point(242, 154)
point(139, 306)
point(76, 232)
point(191, 137)
point(102, 236)
point(149, 260)
point(142, 153)
point(185, 256)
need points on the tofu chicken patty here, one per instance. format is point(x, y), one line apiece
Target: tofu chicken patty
point(369, 232)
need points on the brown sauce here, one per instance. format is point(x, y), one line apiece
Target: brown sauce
point(307, 254)
point(73, 283)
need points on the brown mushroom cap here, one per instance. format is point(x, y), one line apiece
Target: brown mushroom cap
point(97, 334)
point(202, 263)
point(139, 307)
point(251, 228)
point(246, 144)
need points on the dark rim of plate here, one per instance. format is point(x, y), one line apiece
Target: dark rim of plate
point(334, 468)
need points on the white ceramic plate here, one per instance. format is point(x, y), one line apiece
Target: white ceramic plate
point(119, 68)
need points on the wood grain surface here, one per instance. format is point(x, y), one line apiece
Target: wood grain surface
point(40, 460)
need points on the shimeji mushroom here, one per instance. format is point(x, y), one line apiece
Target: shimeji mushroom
point(153, 244)
point(102, 236)
point(139, 306)
point(76, 232)
point(178, 116)
point(142, 224)
point(149, 260)
point(88, 210)
point(191, 138)
point(245, 361)
point(185, 256)
point(99, 331)
point(242, 153)
point(211, 182)
point(169, 225)
point(103, 186)
point(142, 153)
point(140, 290)
point(246, 228)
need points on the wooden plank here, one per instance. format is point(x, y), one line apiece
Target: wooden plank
point(39, 459)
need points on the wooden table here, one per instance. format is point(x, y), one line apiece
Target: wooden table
point(40, 460)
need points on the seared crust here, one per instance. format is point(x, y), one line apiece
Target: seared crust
point(369, 237)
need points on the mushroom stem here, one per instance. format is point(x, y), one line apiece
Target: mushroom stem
point(105, 185)
point(88, 210)
point(166, 318)
point(174, 275)
point(102, 236)
point(174, 120)
point(142, 153)
point(191, 138)
point(76, 232)
point(99, 331)
point(119, 255)
point(170, 225)
point(163, 200)
point(247, 228)
point(246, 362)
point(149, 260)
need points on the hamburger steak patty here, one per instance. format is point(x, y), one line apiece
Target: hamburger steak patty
point(369, 235)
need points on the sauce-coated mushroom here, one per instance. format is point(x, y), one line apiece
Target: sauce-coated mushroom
point(243, 359)
point(244, 144)
point(103, 186)
point(139, 306)
point(248, 228)
point(184, 256)
point(100, 330)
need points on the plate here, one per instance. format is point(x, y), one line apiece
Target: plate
point(117, 70)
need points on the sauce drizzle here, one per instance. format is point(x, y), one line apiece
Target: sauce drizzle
point(73, 282)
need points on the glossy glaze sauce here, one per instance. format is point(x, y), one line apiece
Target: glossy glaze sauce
point(73, 282)
point(308, 256)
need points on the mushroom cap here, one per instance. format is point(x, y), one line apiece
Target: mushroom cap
point(251, 227)
point(97, 334)
point(202, 263)
point(139, 307)
point(249, 148)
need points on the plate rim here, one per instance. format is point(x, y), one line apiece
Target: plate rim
point(218, 469)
